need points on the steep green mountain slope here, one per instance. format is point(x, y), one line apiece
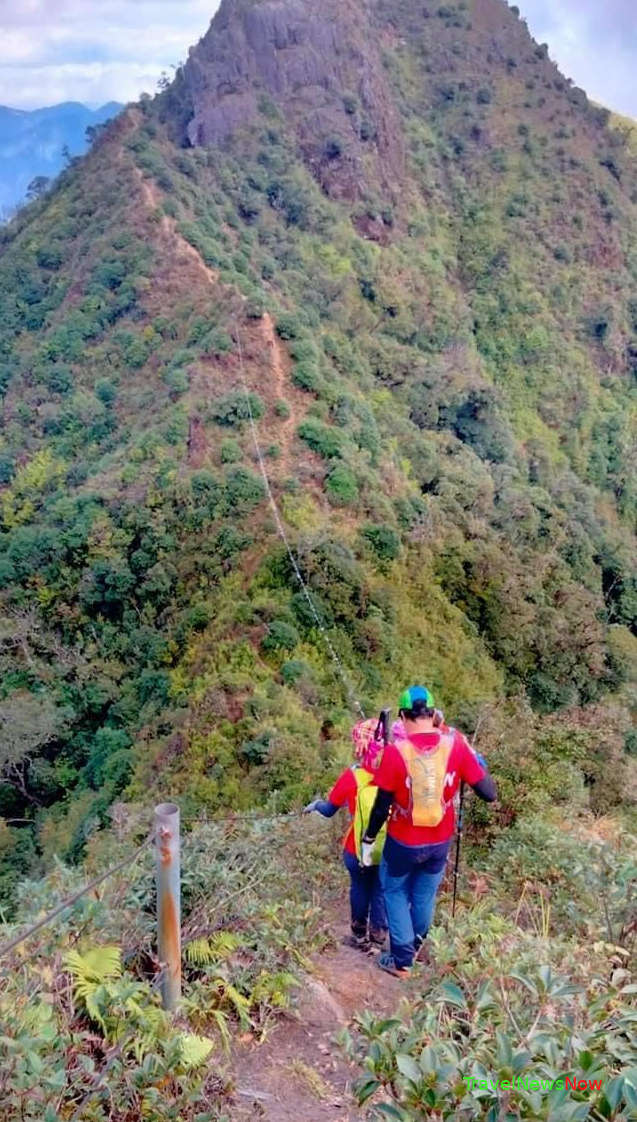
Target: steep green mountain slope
point(414, 242)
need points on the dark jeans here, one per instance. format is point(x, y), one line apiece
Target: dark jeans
point(410, 876)
point(365, 896)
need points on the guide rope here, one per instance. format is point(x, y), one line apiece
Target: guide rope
point(342, 673)
point(69, 901)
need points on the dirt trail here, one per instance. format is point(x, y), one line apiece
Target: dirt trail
point(279, 365)
point(279, 362)
point(300, 1074)
point(168, 226)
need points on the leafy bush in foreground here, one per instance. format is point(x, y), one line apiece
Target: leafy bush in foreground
point(514, 994)
point(81, 1024)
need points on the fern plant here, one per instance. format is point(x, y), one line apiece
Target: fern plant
point(91, 973)
point(127, 1012)
point(215, 948)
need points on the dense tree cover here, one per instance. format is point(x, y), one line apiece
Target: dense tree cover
point(449, 443)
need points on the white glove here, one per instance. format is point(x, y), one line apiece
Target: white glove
point(367, 849)
point(310, 807)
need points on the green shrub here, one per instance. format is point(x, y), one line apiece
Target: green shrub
point(293, 670)
point(198, 618)
point(109, 759)
point(384, 541)
point(304, 349)
point(598, 324)
point(282, 409)
point(234, 409)
point(219, 342)
point(333, 147)
point(281, 636)
point(177, 382)
point(255, 752)
point(255, 307)
point(341, 486)
point(367, 130)
point(562, 253)
point(328, 442)
point(58, 378)
point(288, 326)
point(7, 468)
point(306, 377)
point(49, 257)
point(105, 391)
point(244, 491)
point(230, 452)
point(205, 486)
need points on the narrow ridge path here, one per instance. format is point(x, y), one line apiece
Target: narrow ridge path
point(279, 361)
point(300, 1074)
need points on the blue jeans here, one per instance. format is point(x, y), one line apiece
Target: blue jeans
point(410, 876)
point(365, 896)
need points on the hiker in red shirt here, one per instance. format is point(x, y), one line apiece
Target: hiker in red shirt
point(355, 789)
point(418, 778)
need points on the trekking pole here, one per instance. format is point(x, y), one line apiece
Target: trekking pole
point(457, 861)
point(460, 824)
point(383, 726)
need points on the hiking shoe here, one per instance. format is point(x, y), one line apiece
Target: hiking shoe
point(377, 936)
point(359, 942)
point(386, 963)
point(423, 954)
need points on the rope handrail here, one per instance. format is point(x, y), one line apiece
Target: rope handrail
point(69, 901)
point(73, 899)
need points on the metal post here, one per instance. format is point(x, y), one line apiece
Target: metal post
point(168, 902)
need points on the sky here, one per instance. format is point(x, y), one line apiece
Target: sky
point(102, 50)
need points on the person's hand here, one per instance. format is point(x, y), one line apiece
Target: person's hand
point(310, 807)
point(367, 848)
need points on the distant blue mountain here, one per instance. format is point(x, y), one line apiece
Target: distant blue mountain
point(31, 143)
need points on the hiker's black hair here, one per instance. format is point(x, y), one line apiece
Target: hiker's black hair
point(418, 710)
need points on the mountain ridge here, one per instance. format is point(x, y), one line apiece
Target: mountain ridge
point(438, 370)
point(33, 141)
point(440, 378)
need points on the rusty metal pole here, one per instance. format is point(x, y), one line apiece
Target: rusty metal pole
point(168, 902)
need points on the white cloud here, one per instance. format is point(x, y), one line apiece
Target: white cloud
point(98, 50)
point(593, 43)
point(80, 50)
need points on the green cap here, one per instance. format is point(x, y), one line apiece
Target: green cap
point(415, 693)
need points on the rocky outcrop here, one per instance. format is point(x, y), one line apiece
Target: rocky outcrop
point(316, 62)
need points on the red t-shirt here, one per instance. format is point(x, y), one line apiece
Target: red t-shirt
point(343, 793)
point(392, 776)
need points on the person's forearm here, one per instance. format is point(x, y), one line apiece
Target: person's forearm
point(325, 807)
point(486, 788)
point(380, 810)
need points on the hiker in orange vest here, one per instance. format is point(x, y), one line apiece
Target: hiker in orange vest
point(417, 779)
point(356, 789)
